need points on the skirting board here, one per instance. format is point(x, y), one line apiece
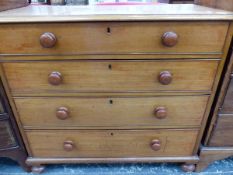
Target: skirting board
point(39, 161)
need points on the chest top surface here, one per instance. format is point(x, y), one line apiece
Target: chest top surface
point(159, 12)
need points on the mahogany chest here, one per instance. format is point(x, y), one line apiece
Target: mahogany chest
point(92, 84)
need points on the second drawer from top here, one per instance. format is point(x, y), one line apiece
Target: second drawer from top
point(109, 76)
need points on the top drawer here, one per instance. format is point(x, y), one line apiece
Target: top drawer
point(113, 38)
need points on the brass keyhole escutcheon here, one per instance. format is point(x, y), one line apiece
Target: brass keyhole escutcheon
point(109, 30)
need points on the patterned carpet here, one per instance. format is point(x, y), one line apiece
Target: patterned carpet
point(223, 167)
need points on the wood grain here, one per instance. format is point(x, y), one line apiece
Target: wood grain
point(123, 89)
point(208, 3)
point(222, 133)
point(162, 12)
point(211, 154)
point(215, 88)
point(224, 4)
point(110, 76)
point(228, 100)
point(221, 4)
point(12, 109)
point(111, 143)
point(11, 143)
point(12, 4)
point(157, 159)
point(127, 37)
point(222, 90)
point(8, 139)
point(89, 112)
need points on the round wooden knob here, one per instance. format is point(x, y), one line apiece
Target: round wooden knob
point(48, 40)
point(188, 167)
point(62, 113)
point(169, 39)
point(55, 78)
point(155, 144)
point(165, 77)
point(161, 112)
point(68, 145)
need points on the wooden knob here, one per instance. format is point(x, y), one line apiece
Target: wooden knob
point(62, 113)
point(68, 145)
point(161, 112)
point(155, 144)
point(188, 167)
point(169, 39)
point(55, 78)
point(165, 77)
point(48, 40)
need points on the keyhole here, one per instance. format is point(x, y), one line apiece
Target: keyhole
point(111, 134)
point(111, 101)
point(110, 66)
point(109, 30)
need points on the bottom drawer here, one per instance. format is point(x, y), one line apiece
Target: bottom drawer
point(112, 143)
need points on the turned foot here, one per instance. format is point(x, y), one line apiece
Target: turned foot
point(188, 167)
point(38, 169)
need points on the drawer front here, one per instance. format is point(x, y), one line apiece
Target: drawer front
point(227, 106)
point(112, 112)
point(122, 37)
point(111, 143)
point(110, 76)
point(222, 134)
point(7, 139)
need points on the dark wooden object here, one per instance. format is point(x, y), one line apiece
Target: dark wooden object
point(210, 154)
point(170, 39)
point(155, 144)
point(161, 112)
point(227, 107)
point(223, 132)
point(219, 140)
point(55, 78)
point(165, 77)
point(62, 113)
point(181, 1)
point(48, 40)
point(11, 144)
point(12, 4)
point(221, 4)
point(69, 145)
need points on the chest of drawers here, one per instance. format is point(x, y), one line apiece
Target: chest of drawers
point(133, 85)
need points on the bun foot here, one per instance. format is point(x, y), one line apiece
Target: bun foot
point(38, 169)
point(188, 167)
